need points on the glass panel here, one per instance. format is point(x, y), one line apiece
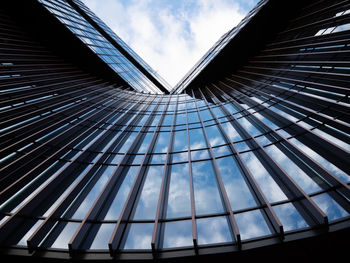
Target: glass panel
point(65, 235)
point(147, 204)
point(199, 155)
point(214, 136)
point(252, 224)
point(331, 208)
point(120, 197)
point(265, 181)
point(158, 159)
point(231, 132)
point(250, 128)
point(206, 192)
point(179, 157)
point(221, 151)
point(102, 236)
point(180, 141)
point(181, 118)
point(179, 202)
point(197, 140)
point(289, 216)
point(178, 234)
point(192, 117)
point(205, 115)
point(322, 161)
point(127, 143)
point(139, 236)
point(162, 142)
point(145, 143)
point(298, 175)
point(94, 193)
point(236, 187)
point(168, 119)
point(213, 230)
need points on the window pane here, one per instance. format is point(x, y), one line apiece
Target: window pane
point(289, 216)
point(178, 234)
point(139, 236)
point(305, 182)
point(206, 192)
point(231, 132)
point(147, 204)
point(213, 230)
point(235, 185)
point(122, 194)
point(264, 179)
point(65, 234)
point(179, 202)
point(162, 142)
point(252, 224)
point(180, 141)
point(145, 143)
point(94, 193)
point(214, 136)
point(102, 236)
point(197, 140)
point(331, 208)
point(199, 155)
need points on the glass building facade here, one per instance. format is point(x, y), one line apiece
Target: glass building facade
point(255, 158)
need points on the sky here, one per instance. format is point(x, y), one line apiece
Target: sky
point(171, 35)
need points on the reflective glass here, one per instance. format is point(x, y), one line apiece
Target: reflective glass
point(197, 140)
point(121, 195)
point(298, 175)
point(322, 161)
point(179, 202)
point(213, 230)
point(145, 143)
point(192, 117)
point(205, 115)
point(221, 151)
point(289, 217)
point(214, 136)
point(180, 141)
point(252, 224)
point(178, 234)
point(200, 155)
point(158, 159)
point(162, 142)
point(139, 236)
point(147, 203)
point(181, 119)
point(102, 236)
point(206, 192)
point(94, 193)
point(65, 234)
point(331, 208)
point(264, 179)
point(236, 188)
point(179, 157)
point(231, 132)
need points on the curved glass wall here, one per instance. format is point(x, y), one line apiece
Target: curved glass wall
point(87, 166)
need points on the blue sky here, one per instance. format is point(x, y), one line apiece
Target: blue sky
point(171, 35)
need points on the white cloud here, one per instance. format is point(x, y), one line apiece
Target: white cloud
point(170, 37)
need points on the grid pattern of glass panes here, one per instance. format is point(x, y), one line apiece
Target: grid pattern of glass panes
point(202, 166)
point(86, 165)
point(101, 46)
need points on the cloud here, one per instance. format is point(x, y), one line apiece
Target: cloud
point(171, 36)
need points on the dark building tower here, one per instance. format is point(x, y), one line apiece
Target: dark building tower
point(248, 155)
